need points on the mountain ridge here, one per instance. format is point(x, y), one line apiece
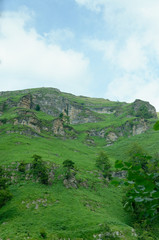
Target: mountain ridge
point(112, 119)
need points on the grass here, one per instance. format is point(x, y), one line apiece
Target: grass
point(58, 211)
point(71, 213)
point(74, 213)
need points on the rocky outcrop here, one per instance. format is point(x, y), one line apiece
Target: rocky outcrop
point(129, 128)
point(111, 137)
point(58, 128)
point(28, 119)
point(107, 110)
point(143, 109)
point(55, 105)
point(70, 183)
point(97, 133)
point(141, 127)
point(25, 101)
point(69, 109)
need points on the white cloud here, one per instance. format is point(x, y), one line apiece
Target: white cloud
point(94, 5)
point(59, 35)
point(28, 60)
point(131, 87)
point(133, 49)
point(129, 57)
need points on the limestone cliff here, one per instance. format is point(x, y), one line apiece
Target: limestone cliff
point(68, 110)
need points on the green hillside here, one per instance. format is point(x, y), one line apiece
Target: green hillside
point(67, 127)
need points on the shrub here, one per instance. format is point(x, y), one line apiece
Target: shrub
point(37, 108)
point(43, 233)
point(39, 169)
point(21, 167)
point(103, 163)
point(68, 164)
point(142, 192)
point(69, 168)
point(5, 195)
point(138, 156)
point(144, 112)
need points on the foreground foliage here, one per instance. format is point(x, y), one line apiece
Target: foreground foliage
point(142, 191)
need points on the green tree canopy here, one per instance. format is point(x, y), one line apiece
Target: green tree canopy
point(103, 163)
point(137, 156)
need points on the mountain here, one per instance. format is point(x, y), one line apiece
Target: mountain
point(50, 111)
point(59, 126)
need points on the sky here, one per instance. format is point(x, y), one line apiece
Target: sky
point(98, 48)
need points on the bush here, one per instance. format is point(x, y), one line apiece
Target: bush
point(21, 167)
point(43, 233)
point(142, 192)
point(138, 156)
point(103, 163)
point(143, 112)
point(5, 195)
point(37, 108)
point(69, 168)
point(68, 164)
point(39, 169)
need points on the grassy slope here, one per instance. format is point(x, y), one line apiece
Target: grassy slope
point(75, 213)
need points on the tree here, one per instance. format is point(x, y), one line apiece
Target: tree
point(69, 168)
point(103, 163)
point(68, 164)
point(37, 108)
point(137, 156)
point(5, 194)
point(156, 126)
point(39, 169)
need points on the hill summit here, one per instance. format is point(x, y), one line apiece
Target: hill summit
point(50, 111)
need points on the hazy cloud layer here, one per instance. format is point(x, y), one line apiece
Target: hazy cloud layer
point(31, 60)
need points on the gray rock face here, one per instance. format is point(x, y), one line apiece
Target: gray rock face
point(143, 109)
point(26, 102)
point(55, 104)
point(108, 110)
point(58, 128)
point(111, 137)
point(28, 119)
point(129, 128)
point(69, 109)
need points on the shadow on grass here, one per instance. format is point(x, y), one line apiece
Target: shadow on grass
point(8, 214)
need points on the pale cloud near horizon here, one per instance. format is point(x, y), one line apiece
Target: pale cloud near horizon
point(32, 60)
point(134, 50)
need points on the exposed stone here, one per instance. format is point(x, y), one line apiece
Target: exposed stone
point(138, 106)
point(90, 142)
point(119, 174)
point(140, 128)
point(99, 133)
point(25, 101)
point(28, 119)
point(58, 128)
point(129, 128)
point(112, 137)
point(70, 183)
point(108, 110)
point(55, 103)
